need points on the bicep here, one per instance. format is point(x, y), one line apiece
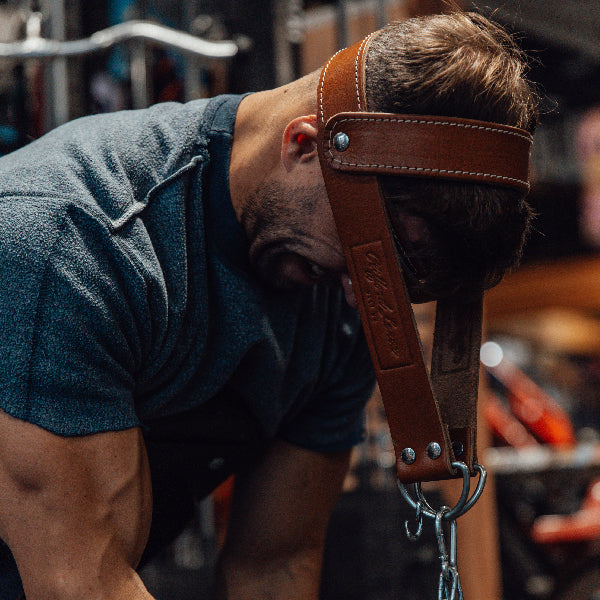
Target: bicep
point(279, 517)
point(75, 511)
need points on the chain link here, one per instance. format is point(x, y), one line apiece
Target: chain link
point(449, 586)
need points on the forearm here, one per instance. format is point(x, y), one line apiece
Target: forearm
point(295, 578)
point(73, 583)
point(278, 525)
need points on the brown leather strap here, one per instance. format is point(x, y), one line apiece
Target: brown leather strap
point(455, 371)
point(445, 147)
point(375, 144)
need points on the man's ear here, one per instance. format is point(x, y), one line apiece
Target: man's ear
point(299, 143)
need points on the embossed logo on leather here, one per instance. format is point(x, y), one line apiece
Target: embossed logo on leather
point(383, 319)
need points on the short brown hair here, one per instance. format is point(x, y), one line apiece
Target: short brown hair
point(456, 65)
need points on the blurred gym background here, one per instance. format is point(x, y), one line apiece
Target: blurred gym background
point(536, 535)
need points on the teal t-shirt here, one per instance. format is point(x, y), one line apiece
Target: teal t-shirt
point(126, 293)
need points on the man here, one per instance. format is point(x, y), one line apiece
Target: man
point(175, 307)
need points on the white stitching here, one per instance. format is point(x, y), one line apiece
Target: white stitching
point(425, 169)
point(356, 70)
point(323, 85)
point(429, 170)
point(426, 122)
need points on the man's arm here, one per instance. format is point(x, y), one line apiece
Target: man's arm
point(278, 524)
point(75, 511)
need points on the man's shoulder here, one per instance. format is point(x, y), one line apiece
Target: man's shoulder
point(29, 222)
point(111, 161)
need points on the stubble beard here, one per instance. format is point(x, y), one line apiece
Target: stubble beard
point(272, 221)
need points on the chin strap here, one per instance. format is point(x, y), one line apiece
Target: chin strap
point(432, 419)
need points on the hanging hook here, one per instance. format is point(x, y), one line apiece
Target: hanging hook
point(413, 537)
point(449, 587)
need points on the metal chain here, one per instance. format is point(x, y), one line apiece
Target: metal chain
point(449, 586)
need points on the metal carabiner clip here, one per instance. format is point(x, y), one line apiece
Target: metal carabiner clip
point(449, 587)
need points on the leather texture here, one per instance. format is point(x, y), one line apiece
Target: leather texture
point(379, 144)
point(447, 148)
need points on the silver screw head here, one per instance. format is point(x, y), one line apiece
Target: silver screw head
point(434, 450)
point(408, 456)
point(341, 141)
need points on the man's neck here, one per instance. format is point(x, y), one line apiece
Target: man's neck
point(259, 126)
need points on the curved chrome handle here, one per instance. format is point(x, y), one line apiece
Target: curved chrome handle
point(37, 47)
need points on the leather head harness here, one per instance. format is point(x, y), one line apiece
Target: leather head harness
point(432, 417)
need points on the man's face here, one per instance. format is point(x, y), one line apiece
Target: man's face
point(293, 238)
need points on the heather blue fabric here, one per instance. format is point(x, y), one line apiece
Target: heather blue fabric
point(126, 295)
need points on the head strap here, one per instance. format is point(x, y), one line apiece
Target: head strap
point(430, 430)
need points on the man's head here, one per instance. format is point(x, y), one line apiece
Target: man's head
point(448, 65)
point(458, 65)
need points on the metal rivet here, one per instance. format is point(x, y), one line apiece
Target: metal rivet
point(458, 448)
point(408, 456)
point(216, 463)
point(434, 450)
point(341, 141)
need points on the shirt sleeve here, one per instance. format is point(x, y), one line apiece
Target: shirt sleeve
point(70, 340)
point(333, 418)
